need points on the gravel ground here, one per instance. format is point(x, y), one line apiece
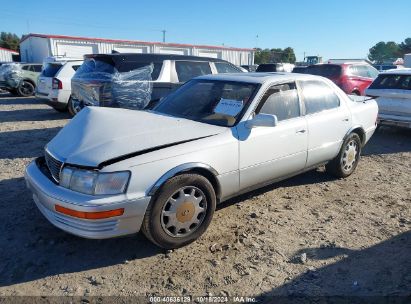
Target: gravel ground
point(309, 235)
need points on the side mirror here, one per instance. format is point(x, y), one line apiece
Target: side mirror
point(262, 120)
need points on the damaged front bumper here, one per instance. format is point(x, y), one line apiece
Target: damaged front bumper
point(47, 195)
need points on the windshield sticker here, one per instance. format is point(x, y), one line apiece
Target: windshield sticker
point(228, 107)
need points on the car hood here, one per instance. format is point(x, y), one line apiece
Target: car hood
point(99, 135)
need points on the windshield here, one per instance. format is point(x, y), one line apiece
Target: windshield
point(209, 101)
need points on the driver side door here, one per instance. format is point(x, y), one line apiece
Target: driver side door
point(269, 153)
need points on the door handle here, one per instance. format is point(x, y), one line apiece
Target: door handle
point(346, 119)
point(301, 131)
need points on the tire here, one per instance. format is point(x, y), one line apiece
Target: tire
point(25, 89)
point(169, 211)
point(347, 159)
point(73, 107)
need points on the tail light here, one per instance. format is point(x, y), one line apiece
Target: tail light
point(57, 84)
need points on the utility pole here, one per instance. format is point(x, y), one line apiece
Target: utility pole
point(164, 35)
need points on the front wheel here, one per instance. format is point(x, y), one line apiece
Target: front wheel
point(25, 89)
point(74, 106)
point(347, 160)
point(181, 212)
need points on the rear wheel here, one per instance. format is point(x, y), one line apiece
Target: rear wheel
point(181, 212)
point(25, 89)
point(347, 160)
point(74, 106)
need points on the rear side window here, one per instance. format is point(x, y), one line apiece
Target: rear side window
point(26, 68)
point(134, 65)
point(392, 81)
point(282, 101)
point(36, 68)
point(190, 69)
point(224, 67)
point(358, 70)
point(325, 70)
point(318, 96)
point(363, 71)
point(51, 69)
point(75, 67)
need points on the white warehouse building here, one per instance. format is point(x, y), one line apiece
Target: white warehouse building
point(36, 47)
point(6, 55)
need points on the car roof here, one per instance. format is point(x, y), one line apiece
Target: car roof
point(259, 78)
point(152, 57)
point(405, 71)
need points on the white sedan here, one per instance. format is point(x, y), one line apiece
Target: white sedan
point(112, 172)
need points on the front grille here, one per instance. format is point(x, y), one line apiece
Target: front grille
point(54, 165)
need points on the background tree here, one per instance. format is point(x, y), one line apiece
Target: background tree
point(288, 55)
point(274, 55)
point(384, 51)
point(9, 41)
point(405, 47)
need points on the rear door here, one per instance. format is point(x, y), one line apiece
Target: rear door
point(328, 120)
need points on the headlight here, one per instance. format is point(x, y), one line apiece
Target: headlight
point(94, 182)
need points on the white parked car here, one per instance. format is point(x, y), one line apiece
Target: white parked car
point(392, 90)
point(112, 172)
point(54, 82)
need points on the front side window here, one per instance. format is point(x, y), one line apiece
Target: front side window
point(282, 101)
point(187, 70)
point(223, 67)
point(318, 96)
point(209, 101)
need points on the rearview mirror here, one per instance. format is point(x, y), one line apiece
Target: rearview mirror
point(262, 120)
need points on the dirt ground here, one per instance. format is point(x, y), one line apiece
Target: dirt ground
point(310, 235)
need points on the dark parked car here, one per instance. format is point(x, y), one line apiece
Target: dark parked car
point(270, 67)
point(352, 78)
point(137, 81)
point(299, 69)
point(250, 67)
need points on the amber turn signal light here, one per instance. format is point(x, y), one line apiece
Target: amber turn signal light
point(89, 215)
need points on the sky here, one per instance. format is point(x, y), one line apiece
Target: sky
point(331, 29)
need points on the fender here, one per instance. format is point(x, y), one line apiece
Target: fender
point(362, 136)
point(183, 168)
